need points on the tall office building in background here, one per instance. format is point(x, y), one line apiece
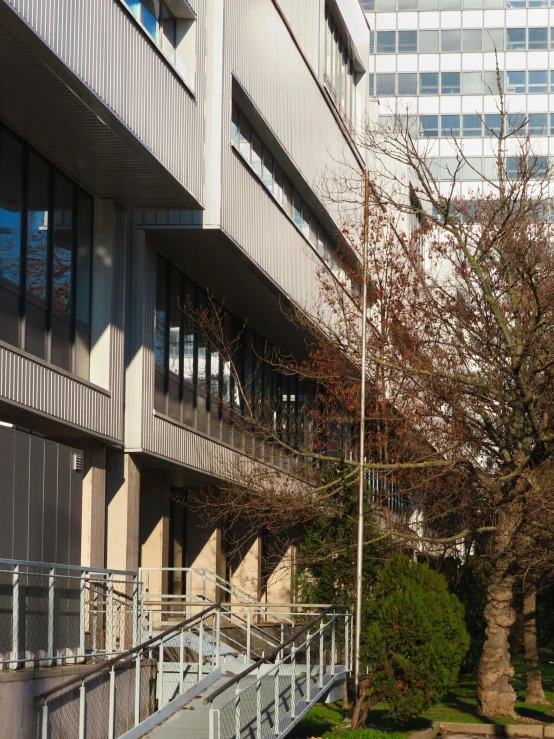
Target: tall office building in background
point(436, 60)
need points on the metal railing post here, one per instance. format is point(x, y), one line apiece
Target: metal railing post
point(333, 638)
point(259, 708)
point(293, 681)
point(308, 667)
point(82, 710)
point(109, 619)
point(321, 656)
point(44, 723)
point(182, 661)
point(161, 675)
point(15, 614)
point(82, 613)
point(238, 732)
point(200, 648)
point(137, 690)
point(276, 696)
point(136, 609)
point(111, 709)
point(218, 637)
point(248, 635)
point(346, 645)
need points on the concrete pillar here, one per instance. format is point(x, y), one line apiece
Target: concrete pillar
point(247, 566)
point(123, 496)
point(203, 552)
point(279, 577)
point(154, 529)
point(93, 531)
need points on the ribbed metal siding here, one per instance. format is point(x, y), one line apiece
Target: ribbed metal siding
point(267, 235)
point(264, 57)
point(101, 43)
point(45, 389)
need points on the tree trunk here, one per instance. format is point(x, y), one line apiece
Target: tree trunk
point(495, 695)
point(534, 693)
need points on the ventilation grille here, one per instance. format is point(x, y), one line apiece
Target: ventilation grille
point(78, 462)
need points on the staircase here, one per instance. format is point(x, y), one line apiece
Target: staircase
point(240, 670)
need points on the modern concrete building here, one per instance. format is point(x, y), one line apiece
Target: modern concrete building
point(436, 59)
point(151, 151)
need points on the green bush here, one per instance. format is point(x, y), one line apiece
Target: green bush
point(416, 639)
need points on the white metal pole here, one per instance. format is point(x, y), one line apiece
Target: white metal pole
point(360, 542)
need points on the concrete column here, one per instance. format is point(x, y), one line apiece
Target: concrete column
point(203, 552)
point(247, 567)
point(93, 531)
point(123, 496)
point(279, 577)
point(154, 529)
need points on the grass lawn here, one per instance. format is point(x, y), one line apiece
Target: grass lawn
point(329, 721)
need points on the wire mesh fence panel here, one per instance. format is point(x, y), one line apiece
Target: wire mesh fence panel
point(97, 706)
point(63, 716)
point(125, 683)
point(67, 602)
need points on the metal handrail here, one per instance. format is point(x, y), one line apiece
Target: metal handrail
point(237, 678)
point(77, 568)
point(95, 670)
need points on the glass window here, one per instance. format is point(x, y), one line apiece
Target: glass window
point(297, 209)
point(515, 39)
point(552, 124)
point(244, 137)
point(428, 83)
point(268, 170)
point(188, 333)
point(305, 221)
point(368, 4)
point(450, 4)
point(235, 125)
point(386, 42)
point(552, 80)
point(538, 124)
point(429, 126)
point(278, 183)
point(450, 40)
point(537, 81)
point(372, 42)
point(386, 5)
point(407, 83)
point(450, 125)
point(168, 33)
point(161, 313)
point(492, 124)
point(407, 4)
point(471, 168)
point(493, 39)
point(11, 167)
point(491, 82)
point(539, 165)
point(287, 196)
point(490, 171)
point(449, 168)
point(471, 83)
point(63, 244)
point(472, 39)
point(450, 83)
point(552, 38)
point(371, 85)
point(472, 125)
point(149, 17)
point(428, 42)
point(386, 83)
point(516, 123)
point(84, 276)
point(537, 38)
point(407, 41)
point(515, 82)
point(256, 155)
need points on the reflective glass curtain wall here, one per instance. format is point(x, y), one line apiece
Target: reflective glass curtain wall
point(196, 386)
point(45, 258)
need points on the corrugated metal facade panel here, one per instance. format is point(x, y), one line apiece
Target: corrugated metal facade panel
point(267, 235)
point(102, 44)
point(30, 384)
point(264, 57)
point(304, 19)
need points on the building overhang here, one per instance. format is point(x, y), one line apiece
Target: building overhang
point(246, 290)
point(57, 113)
